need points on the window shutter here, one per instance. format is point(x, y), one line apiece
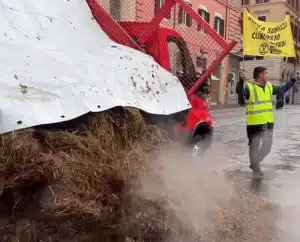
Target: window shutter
point(294, 29)
point(189, 20)
point(222, 27)
point(207, 17)
point(241, 25)
point(262, 18)
point(180, 14)
point(216, 22)
point(115, 9)
point(199, 12)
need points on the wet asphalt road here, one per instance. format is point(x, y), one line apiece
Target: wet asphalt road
point(281, 184)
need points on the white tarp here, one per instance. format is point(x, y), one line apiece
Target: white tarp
point(57, 64)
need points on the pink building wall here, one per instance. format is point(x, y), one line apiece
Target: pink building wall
point(198, 41)
point(145, 11)
point(234, 28)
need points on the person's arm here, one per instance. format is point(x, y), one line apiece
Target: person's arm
point(243, 92)
point(246, 92)
point(238, 87)
point(279, 90)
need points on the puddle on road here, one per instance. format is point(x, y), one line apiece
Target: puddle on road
point(280, 206)
point(285, 167)
point(271, 211)
point(281, 168)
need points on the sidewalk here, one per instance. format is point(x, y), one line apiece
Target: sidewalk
point(224, 106)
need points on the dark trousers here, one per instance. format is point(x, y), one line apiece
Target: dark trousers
point(260, 143)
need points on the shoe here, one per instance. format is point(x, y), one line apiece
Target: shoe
point(251, 166)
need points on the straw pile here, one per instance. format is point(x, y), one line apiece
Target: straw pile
point(77, 186)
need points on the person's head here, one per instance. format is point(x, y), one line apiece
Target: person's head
point(260, 74)
point(242, 74)
point(201, 62)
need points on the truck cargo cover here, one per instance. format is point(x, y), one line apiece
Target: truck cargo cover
point(56, 64)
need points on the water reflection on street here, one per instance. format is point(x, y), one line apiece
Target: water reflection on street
point(281, 183)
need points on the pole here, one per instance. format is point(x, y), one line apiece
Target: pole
point(293, 89)
point(296, 58)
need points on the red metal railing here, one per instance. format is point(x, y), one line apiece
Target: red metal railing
point(207, 47)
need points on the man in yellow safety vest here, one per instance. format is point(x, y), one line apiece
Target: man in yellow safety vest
point(257, 96)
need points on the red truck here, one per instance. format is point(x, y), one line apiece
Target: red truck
point(155, 39)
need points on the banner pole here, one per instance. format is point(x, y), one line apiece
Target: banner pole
point(243, 69)
point(295, 69)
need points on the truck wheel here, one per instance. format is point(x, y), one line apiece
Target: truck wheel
point(201, 142)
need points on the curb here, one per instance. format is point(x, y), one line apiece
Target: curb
point(226, 109)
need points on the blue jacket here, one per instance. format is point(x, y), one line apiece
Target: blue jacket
point(278, 90)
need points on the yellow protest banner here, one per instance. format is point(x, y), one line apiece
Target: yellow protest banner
point(266, 38)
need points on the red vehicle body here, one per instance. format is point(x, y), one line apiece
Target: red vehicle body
point(151, 38)
point(158, 49)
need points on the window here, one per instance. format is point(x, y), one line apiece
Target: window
point(205, 15)
point(262, 18)
point(293, 3)
point(291, 60)
point(158, 5)
point(241, 23)
point(262, 1)
point(296, 33)
point(232, 80)
point(184, 18)
point(248, 57)
point(245, 2)
point(251, 57)
point(115, 9)
point(219, 26)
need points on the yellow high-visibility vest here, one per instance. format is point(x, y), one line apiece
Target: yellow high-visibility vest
point(259, 107)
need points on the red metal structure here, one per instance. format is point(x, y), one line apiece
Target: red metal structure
point(154, 39)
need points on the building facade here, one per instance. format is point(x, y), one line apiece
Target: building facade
point(235, 57)
point(279, 69)
point(222, 15)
